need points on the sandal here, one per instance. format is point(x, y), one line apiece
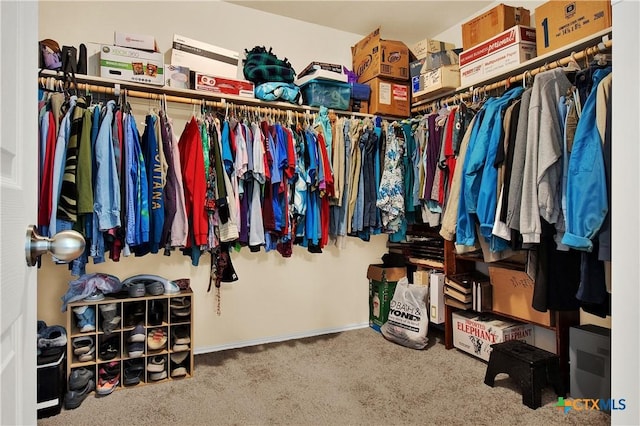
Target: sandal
point(180, 302)
point(156, 339)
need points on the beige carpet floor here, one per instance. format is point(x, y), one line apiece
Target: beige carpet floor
point(350, 378)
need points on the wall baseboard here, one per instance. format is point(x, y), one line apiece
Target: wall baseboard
point(276, 339)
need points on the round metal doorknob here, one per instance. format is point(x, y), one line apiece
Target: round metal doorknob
point(65, 245)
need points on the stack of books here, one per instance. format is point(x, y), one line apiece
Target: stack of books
point(468, 291)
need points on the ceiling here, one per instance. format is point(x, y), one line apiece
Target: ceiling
point(408, 21)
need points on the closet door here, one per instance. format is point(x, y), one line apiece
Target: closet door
point(18, 187)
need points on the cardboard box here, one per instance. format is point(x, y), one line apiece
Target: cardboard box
point(227, 86)
point(513, 295)
point(439, 59)
point(498, 55)
point(389, 97)
point(436, 298)
point(135, 41)
point(475, 333)
point(560, 23)
point(493, 22)
point(421, 277)
point(205, 58)
point(422, 48)
point(176, 77)
point(122, 63)
point(440, 80)
point(376, 57)
point(382, 285)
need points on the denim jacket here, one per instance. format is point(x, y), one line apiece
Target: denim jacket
point(106, 203)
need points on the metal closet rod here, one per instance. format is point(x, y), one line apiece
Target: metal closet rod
point(506, 83)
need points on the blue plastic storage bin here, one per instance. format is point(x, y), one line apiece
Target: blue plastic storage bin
point(360, 92)
point(331, 94)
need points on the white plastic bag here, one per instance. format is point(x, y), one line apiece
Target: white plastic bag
point(408, 316)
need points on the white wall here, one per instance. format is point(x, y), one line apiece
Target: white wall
point(274, 297)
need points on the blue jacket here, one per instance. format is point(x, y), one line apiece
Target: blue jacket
point(587, 198)
point(479, 185)
point(106, 197)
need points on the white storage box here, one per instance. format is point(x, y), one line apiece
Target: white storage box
point(122, 63)
point(205, 58)
point(475, 333)
point(436, 297)
point(500, 54)
point(135, 41)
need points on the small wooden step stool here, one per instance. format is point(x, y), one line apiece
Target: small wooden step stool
point(531, 367)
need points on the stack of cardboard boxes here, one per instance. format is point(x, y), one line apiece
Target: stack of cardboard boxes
point(384, 66)
point(494, 42)
point(435, 70)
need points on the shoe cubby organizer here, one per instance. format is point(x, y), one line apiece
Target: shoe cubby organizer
point(129, 342)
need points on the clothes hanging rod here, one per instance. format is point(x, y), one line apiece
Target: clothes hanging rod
point(509, 81)
point(187, 96)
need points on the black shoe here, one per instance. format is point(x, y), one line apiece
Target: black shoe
point(156, 312)
point(110, 348)
point(74, 398)
point(79, 378)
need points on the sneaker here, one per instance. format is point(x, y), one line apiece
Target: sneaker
point(79, 378)
point(156, 339)
point(181, 335)
point(110, 348)
point(132, 375)
point(156, 364)
point(178, 370)
point(135, 349)
point(154, 288)
point(171, 287)
point(73, 398)
point(86, 318)
point(107, 386)
point(95, 296)
point(158, 375)
point(138, 334)
point(108, 311)
point(134, 313)
point(179, 357)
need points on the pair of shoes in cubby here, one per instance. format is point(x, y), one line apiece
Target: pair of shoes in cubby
point(84, 348)
point(108, 378)
point(179, 364)
point(180, 308)
point(110, 317)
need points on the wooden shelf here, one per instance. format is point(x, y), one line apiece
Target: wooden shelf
point(532, 63)
point(123, 306)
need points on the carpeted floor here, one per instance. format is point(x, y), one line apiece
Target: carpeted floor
point(350, 378)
